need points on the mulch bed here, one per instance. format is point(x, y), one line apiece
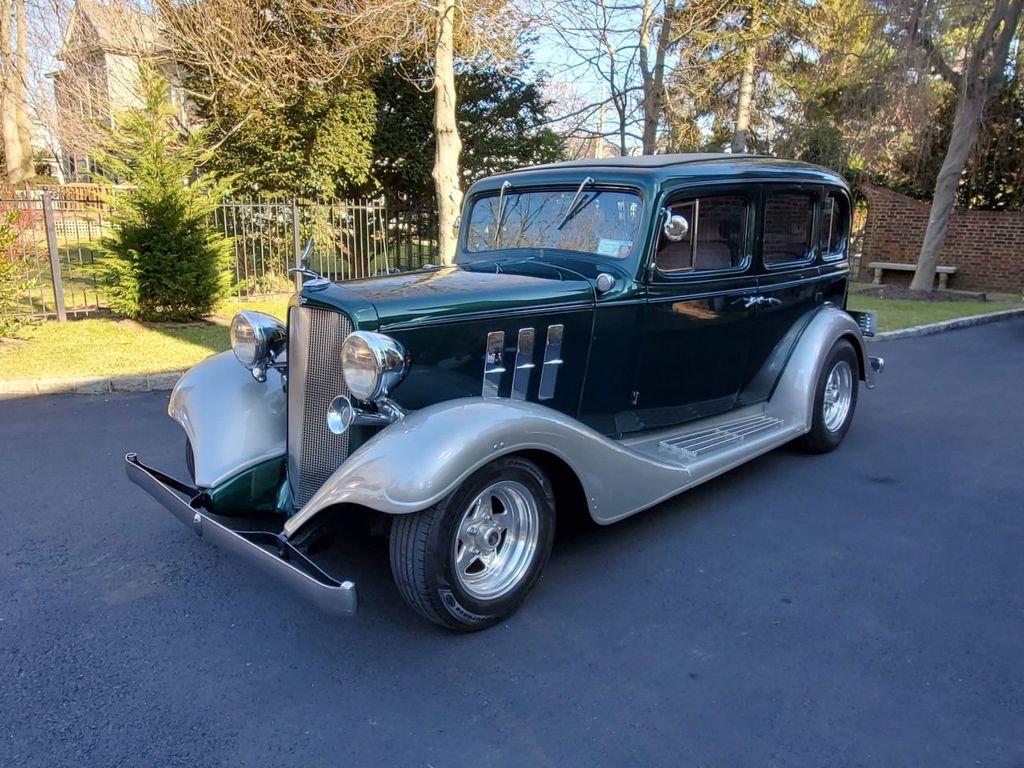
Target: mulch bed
point(902, 292)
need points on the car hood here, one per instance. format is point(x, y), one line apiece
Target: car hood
point(431, 296)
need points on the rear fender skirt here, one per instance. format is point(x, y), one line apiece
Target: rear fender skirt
point(793, 397)
point(415, 463)
point(233, 421)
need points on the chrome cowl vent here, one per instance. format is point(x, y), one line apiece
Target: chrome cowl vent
point(315, 337)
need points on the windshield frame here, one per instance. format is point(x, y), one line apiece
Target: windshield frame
point(562, 185)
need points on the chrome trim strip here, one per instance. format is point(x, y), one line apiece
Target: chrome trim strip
point(524, 364)
point(544, 309)
point(263, 548)
point(494, 363)
point(552, 359)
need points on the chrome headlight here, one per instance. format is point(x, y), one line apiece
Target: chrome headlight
point(256, 338)
point(373, 364)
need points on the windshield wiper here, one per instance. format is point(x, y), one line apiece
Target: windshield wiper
point(589, 181)
point(501, 213)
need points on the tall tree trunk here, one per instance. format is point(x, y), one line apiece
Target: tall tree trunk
point(654, 78)
point(9, 100)
point(982, 78)
point(965, 132)
point(21, 83)
point(744, 100)
point(446, 132)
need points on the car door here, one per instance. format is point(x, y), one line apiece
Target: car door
point(789, 280)
point(698, 313)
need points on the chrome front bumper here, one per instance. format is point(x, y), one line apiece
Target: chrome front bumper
point(271, 551)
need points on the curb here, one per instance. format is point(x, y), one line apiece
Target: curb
point(151, 382)
point(949, 325)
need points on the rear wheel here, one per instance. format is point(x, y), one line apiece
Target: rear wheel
point(835, 400)
point(471, 559)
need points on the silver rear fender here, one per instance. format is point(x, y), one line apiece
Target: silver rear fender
point(793, 397)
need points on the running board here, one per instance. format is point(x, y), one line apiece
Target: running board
point(712, 446)
point(692, 445)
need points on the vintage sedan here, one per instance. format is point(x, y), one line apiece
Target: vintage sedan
point(612, 333)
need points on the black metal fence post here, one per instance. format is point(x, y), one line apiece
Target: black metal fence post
point(296, 246)
point(51, 244)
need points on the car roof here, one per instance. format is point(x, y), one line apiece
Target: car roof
point(653, 170)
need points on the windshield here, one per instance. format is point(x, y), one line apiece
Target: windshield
point(596, 221)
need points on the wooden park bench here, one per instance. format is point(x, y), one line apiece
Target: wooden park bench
point(881, 266)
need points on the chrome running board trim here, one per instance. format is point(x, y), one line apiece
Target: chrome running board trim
point(701, 441)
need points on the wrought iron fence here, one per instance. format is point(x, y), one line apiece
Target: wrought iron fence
point(54, 254)
point(57, 246)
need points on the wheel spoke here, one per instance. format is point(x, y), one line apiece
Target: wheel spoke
point(481, 508)
point(464, 559)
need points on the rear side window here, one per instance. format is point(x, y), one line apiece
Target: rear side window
point(834, 224)
point(715, 240)
point(788, 224)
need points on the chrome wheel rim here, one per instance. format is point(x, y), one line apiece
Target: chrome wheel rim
point(838, 396)
point(496, 540)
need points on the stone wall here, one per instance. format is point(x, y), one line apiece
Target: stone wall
point(986, 246)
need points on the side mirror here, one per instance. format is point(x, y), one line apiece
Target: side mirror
point(457, 223)
point(676, 227)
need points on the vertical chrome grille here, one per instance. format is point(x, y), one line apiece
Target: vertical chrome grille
point(315, 337)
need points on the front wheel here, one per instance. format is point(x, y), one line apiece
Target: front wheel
point(835, 399)
point(470, 560)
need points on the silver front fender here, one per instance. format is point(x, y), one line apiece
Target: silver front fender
point(233, 421)
point(415, 463)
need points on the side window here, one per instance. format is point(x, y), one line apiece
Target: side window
point(788, 224)
point(834, 226)
point(716, 238)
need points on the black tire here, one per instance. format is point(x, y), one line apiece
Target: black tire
point(822, 438)
point(423, 550)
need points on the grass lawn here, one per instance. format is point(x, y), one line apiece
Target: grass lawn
point(894, 314)
point(105, 346)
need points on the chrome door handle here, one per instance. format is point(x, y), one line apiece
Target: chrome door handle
point(753, 301)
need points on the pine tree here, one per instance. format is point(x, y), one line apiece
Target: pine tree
point(163, 260)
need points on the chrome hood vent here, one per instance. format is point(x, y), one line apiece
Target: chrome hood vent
point(315, 337)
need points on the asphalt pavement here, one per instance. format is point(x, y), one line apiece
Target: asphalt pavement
point(864, 608)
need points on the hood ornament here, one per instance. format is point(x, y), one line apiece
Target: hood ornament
point(311, 278)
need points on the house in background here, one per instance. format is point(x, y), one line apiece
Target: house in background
point(102, 51)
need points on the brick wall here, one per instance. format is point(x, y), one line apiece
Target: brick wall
point(986, 246)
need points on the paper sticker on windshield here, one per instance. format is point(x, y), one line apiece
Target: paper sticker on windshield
point(617, 248)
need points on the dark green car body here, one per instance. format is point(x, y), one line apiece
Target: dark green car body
point(653, 351)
